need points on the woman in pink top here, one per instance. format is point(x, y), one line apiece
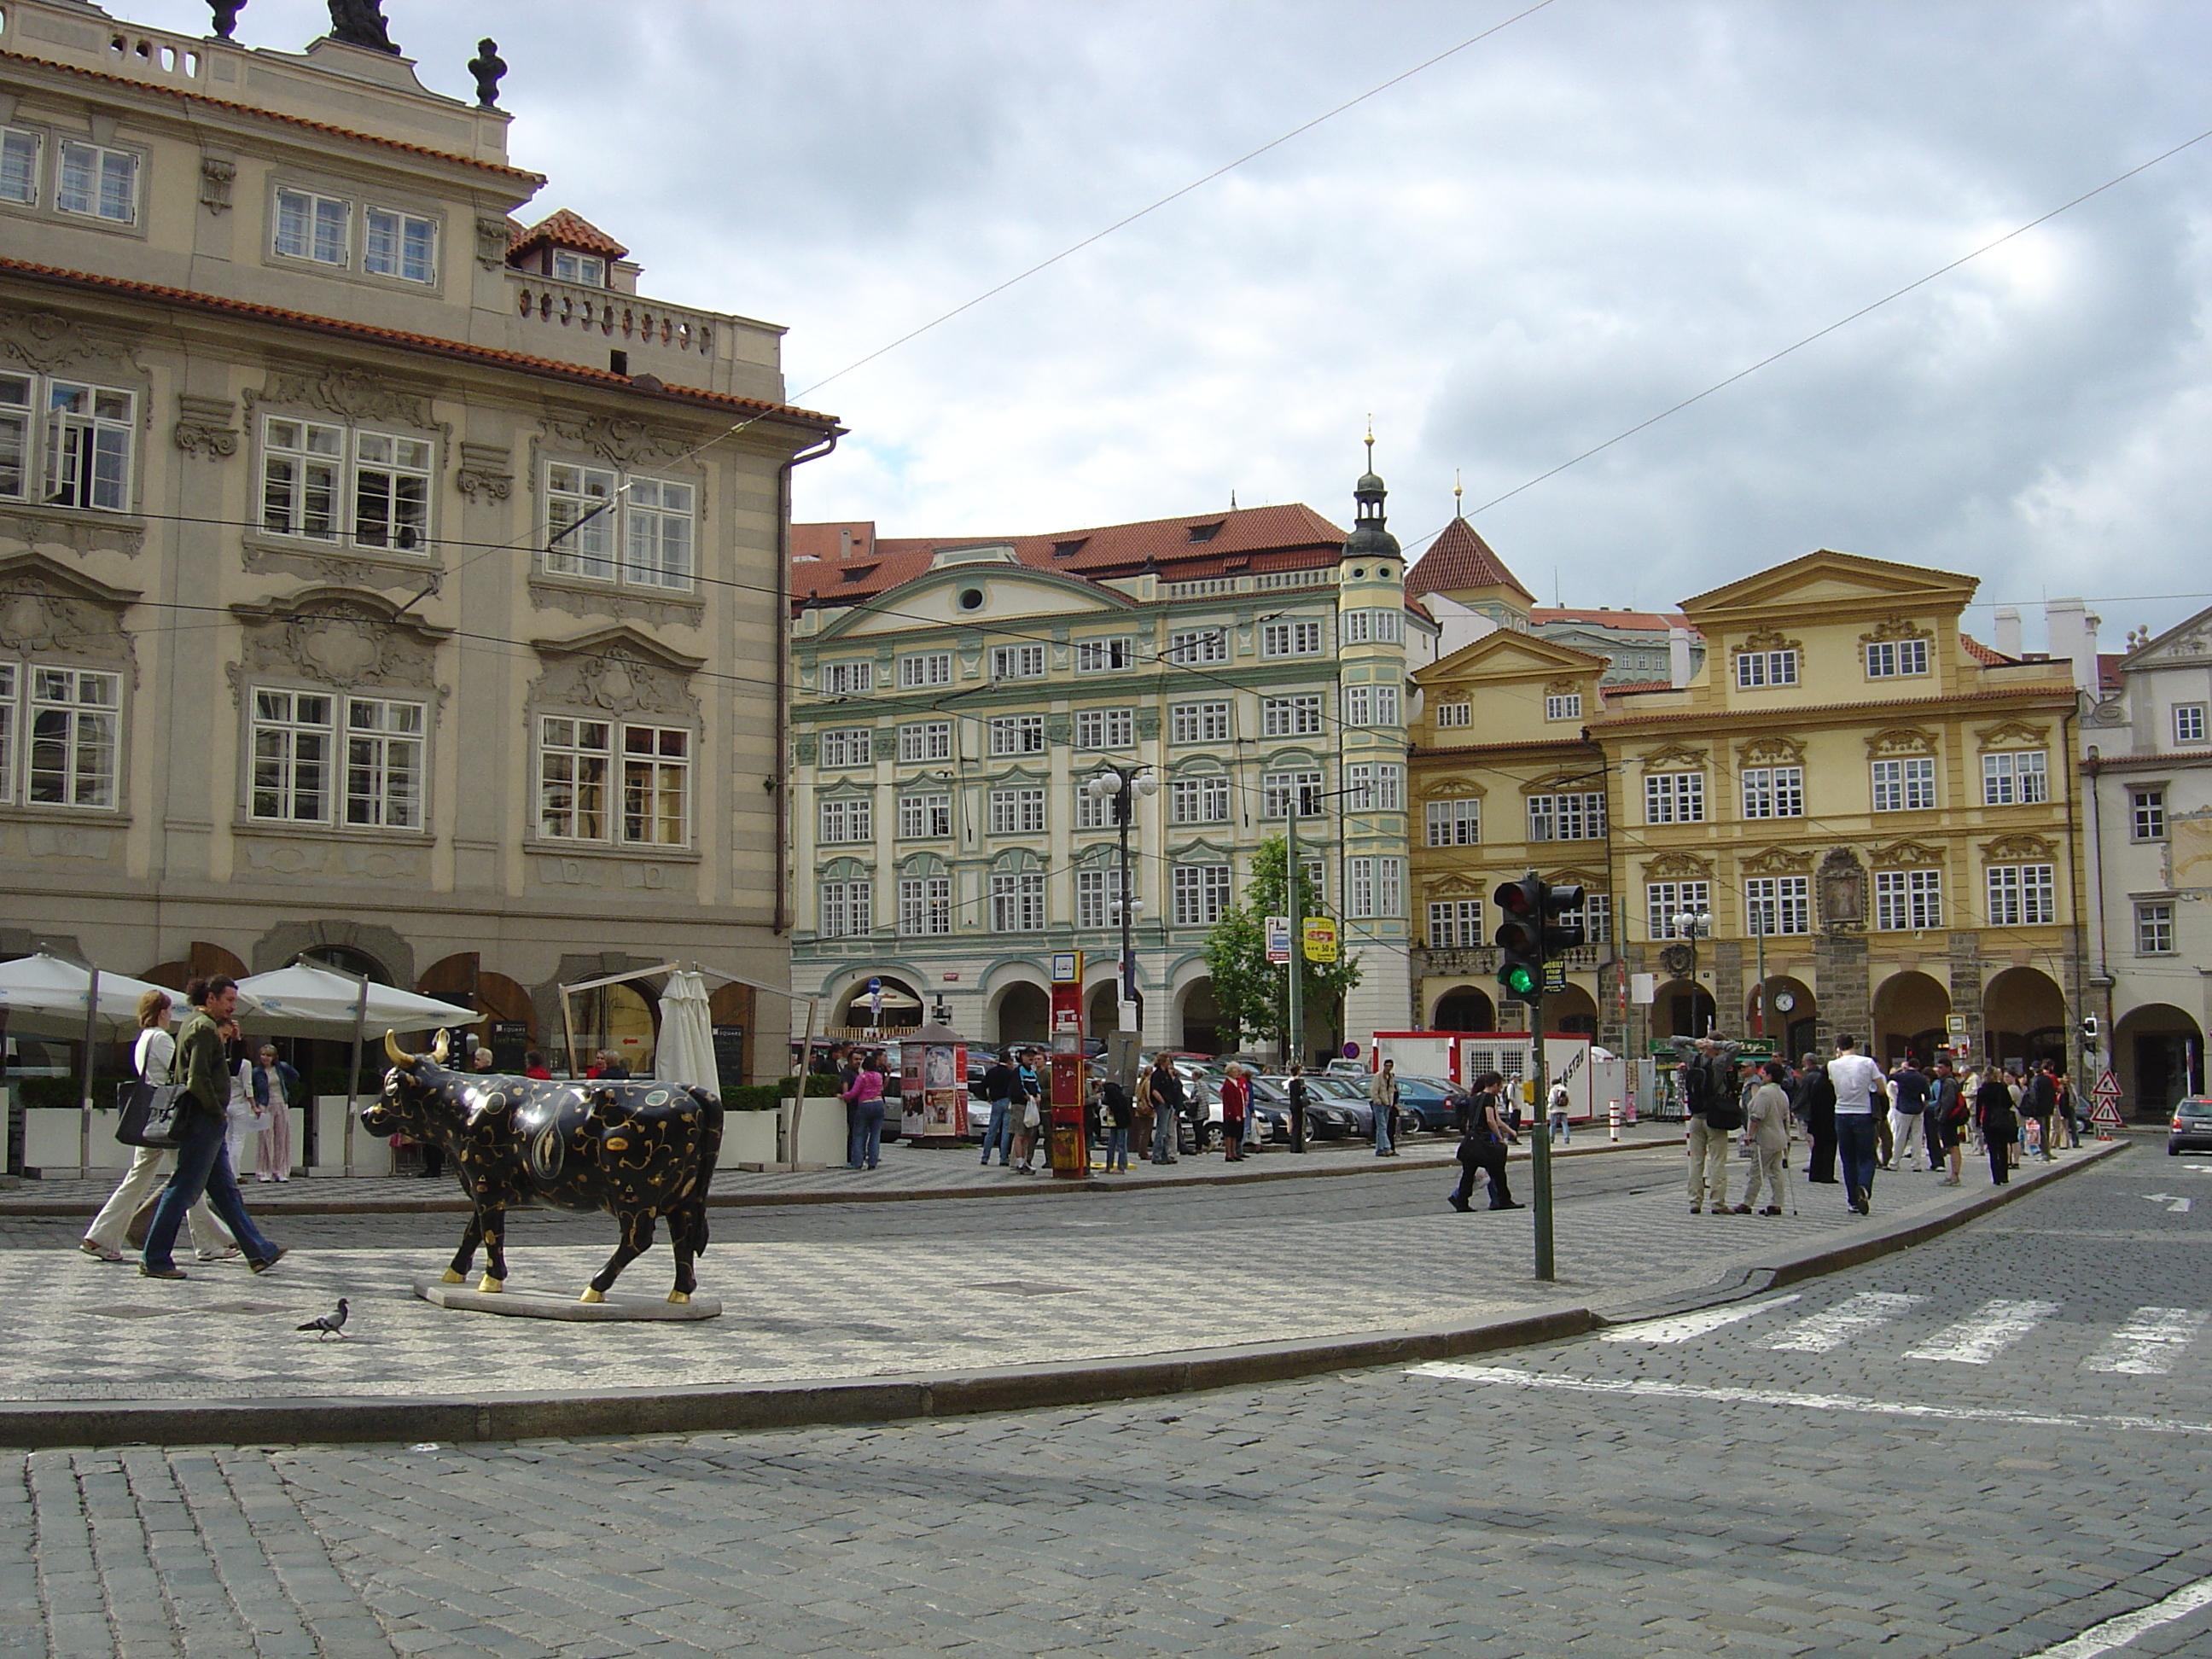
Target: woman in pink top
point(864, 1113)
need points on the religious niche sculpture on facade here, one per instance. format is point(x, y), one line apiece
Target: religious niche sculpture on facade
point(1842, 891)
point(360, 23)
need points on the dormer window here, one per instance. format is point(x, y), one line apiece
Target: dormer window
point(1207, 532)
point(588, 269)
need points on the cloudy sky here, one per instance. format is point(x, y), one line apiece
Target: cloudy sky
point(1513, 256)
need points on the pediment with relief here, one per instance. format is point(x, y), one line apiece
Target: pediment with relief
point(53, 344)
point(2014, 849)
point(1895, 627)
point(48, 610)
point(1772, 752)
point(1582, 781)
point(1679, 867)
point(2013, 734)
point(1674, 757)
point(353, 392)
point(1777, 861)
point(616, 670)
point(1456, 886)
point(625, 442)
point(1450, 786)
point(344, 640)
point(1769, 639)
point(1907, 856)
point(1900, 741)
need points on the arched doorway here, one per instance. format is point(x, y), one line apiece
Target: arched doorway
point(1909, 1011)
point(900, 1009)
point(1572, 1011)
point(1102, 1010)
point(1025, 1014)
point(1683, 1008)
point(2158, 1055)
point(1201, 1017)
point(623, 1019)
point(2024, 1018)
point(1464, 1008)
point(346, 958)
point(1791, 1020)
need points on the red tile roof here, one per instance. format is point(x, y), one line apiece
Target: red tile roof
point(1980, 652)
point(1249, 541)
point(459, 350)
point(1459, 558)
point(535, 180)
point(2109, 675)
point(1647, 621)
point(562, 228)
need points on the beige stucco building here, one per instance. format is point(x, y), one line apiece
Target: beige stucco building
point(303, 645)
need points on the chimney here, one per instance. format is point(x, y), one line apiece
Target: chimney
point(1678, 656)
point(2008, 639)
point(2074, 635)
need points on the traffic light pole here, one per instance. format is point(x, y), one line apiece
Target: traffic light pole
point(1540, 1152)
point(1294, 1024)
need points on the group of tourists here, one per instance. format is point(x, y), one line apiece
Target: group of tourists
point(1857, 1115)
point(863, 1079)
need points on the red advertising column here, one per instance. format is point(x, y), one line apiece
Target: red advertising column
point(1071, 1151)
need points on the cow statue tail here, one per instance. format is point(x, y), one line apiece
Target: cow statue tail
point(710, 1154)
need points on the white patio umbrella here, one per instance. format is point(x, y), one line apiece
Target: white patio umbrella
point(685, 1051)
point(46, 996)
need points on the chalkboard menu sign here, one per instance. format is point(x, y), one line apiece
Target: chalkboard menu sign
point(729, 1059)
point(510, 1042)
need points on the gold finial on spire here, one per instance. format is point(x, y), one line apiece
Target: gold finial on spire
point(1459, 497)
point(1370, 440)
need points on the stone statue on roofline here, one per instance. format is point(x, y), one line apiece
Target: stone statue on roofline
point(225, 17)
point(488, 66)
point(360, 23)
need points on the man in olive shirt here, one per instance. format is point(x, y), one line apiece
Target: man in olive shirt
point(203, 1161)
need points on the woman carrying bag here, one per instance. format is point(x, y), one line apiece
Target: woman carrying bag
point(863, 1115)
point(150, 1165)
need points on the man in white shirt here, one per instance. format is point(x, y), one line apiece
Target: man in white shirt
point(1857, 1081)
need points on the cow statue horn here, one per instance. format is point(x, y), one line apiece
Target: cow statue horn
point(397, 1055)
point(441, 1047)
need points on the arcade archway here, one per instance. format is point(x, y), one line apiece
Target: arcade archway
point(1791, 1020)
point(1683, 1008)
point(2158, 1057)
point(1572, 1010)
point(1200, 1018)
point(2024, 1018)
point(1024, 1014)
point(1909, 1011)
point(1464, 1008)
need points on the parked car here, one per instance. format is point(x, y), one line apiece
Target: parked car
point(1329, 1115)
point(2192, 1126)
point(1429, 1103)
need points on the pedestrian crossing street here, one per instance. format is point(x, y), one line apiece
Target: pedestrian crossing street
point(2151, 1341)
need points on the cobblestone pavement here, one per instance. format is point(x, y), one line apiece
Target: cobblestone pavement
point(1764, 1506)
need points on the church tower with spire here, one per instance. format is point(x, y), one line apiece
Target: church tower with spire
point(1372, 890)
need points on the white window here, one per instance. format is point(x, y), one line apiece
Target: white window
point(2154, 930)
point(1104, 656)
point(928, 668)
point(1754, 669)
point(1567, 706)
point(1016, 734)
point(1675, 798)
point(1205, 645)
point(1908, 900)
point(1201, 894)
point(1454, 714)
point(1199, 800)
point(1091, 812)
point(311, 226)
point(1371, 705)
point(847, 819)
point(74, 729)
point(1017, 662)
point(1290, 717)
point(925, 817)
point(403, 244)
point(292, 745)
point(656, 785)
point(845, 679)
point(847, 909)
point(1017, 811)
point(1777, 904)
point(1904, 785)
point(305, 484)
point(2020, 779)
point(1276, 790)
point(1454, 924)
point(847, 745)
point(573, 761)
point(1198, 722)
point(1454, 822)
point(384, 764)
point(1578, 817)
point(1105, 728)
point(1597, 918)
point(1377, 885)
point(19, 166)
point(926, 740)
point(591, 511)
point(1291, 639)
point(1774, 792)
point(1098, 898)
point(1374, 787)
point(97, 182)
point(1665, 900)
point(2147, 814)
point(1017, 903)
point(2022, 894)
point(2189, 722)
point(926, 904)
point(586, 268)
point(1889, 658)
point(88, 437)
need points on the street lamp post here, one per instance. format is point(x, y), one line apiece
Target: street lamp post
point(1122, 785)
point(1693, 925)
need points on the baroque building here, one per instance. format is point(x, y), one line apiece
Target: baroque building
point(380, 577)
point(953, 697)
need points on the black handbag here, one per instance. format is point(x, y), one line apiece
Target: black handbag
point(151, 1114)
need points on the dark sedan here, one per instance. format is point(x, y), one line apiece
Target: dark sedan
point(2192, 1126)
point(1430, 1103)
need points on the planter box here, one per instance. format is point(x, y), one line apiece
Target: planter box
point(53, 1144)
point(748, 1140)
point(372, 1154)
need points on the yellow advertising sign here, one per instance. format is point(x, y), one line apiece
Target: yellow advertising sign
point(1320, 939)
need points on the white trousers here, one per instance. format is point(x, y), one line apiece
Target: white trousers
point(150, 1171)
point(1905, 1131)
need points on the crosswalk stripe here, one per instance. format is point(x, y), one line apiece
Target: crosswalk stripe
point(1682, 1327)
point(2118, 1632)
point(1985, 1333)
point(2149, 1343)
point(1824, 1332)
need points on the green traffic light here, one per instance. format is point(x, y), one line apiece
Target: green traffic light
point(1518, 978)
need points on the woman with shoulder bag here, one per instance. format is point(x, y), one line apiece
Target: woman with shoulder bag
point(863, 1115)
point(149, 1165)
point(1482, 1146)
point(1999, 1124)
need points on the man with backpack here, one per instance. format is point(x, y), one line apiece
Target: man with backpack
point(1709, 1095)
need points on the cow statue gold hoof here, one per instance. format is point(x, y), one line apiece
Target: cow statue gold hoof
point(451, 1276)
point(590, 1295)
point(490, 1286)
point(679, 1296)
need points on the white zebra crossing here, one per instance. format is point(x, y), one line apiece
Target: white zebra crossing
point(1984, 1334)
point(1682, 1327)
point(2149, 1343)
point(1832, 1328)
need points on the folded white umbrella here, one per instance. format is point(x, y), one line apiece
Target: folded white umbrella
point(684, 1053)
point(307, 998)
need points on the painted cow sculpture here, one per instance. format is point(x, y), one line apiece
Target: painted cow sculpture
point(638, 1151)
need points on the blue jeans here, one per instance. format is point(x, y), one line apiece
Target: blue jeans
point(864, 1133)
point(1854, 1145)
point(203, 1166)
point(1001, 1133)
point(1383, 1115)
point(1117, 1150)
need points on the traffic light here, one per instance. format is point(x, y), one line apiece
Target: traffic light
point(1560, 937)
point(2089, 1028)
point(1519, 938)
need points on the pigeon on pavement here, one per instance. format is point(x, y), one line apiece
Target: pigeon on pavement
point(331, 1324)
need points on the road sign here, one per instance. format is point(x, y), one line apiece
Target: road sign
point(1555, 977)
point(2107, 1087)
point(1278, 941)
point(1321, 939)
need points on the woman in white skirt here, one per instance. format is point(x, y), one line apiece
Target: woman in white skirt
point(150, 1165)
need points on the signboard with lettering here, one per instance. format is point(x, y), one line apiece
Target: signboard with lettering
point(1278, 941)
point(1321, 938)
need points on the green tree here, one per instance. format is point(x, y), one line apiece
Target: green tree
point(1249, 990)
